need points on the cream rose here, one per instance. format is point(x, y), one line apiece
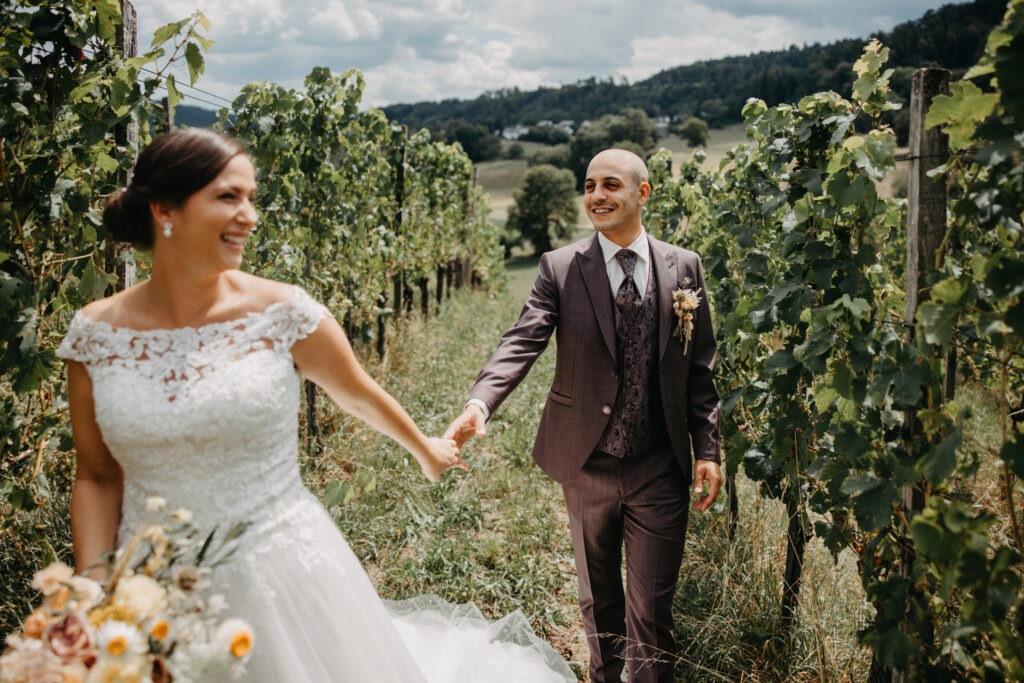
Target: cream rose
point(141, 595)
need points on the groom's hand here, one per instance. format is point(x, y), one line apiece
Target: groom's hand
point(471, 423)
point(707, 476)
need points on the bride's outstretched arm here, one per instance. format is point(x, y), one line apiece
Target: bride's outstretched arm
point(99, 481)
point(326, 358)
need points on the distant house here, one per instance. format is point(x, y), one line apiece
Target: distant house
point(514, 132)
point(565, 126)
point(545, 123)
point(662, 123)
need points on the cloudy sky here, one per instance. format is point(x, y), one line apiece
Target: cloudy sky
point(414, 50)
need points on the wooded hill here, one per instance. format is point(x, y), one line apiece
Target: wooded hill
point(715, 90)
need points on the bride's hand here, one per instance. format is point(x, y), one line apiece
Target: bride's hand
point(441, 455)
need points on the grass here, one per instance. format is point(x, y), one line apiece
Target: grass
point(498, 536)
point(727, 605)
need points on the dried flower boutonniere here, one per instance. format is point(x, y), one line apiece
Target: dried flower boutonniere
point(684, 303)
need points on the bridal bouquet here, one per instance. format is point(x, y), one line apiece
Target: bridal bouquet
point(150, 622)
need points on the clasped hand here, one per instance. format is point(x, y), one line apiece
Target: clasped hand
point(442, 454)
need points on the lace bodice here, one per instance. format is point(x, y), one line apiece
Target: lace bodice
point(205, 417)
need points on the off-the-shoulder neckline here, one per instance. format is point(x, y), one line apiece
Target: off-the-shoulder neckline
point(296, 295)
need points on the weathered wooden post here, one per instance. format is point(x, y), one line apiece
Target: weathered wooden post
point(399, 277)
point(734, 503)
point(926, 225)
point(168, 113)
point(125, 135)
point(441, 275)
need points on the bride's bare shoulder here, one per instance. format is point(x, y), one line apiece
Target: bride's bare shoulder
point(261, 292)
point(114, 309)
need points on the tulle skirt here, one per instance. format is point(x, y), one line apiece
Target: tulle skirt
point(318, 619)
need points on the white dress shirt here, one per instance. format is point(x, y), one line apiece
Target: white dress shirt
point(642, 248)
point(641, 273)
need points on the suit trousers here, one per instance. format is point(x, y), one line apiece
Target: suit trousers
point(642, 502)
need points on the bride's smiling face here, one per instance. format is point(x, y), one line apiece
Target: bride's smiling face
point(214, 223)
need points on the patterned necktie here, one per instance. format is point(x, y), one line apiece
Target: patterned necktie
point(627, 299)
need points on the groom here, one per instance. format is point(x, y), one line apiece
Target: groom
point(632, 399)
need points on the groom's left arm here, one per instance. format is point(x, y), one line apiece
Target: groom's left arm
point(703, 407)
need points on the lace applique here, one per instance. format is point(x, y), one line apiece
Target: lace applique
point(179, 357)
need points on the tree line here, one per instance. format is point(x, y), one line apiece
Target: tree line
point(716, 90)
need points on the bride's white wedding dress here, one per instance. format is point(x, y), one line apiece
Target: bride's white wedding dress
point(207, 418)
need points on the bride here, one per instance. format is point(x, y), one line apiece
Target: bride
point(186, 387)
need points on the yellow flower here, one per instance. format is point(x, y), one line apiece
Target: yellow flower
point(236, 635)
point(117, 639)
point(159, 630)
point(241, 643)
point(111, 612)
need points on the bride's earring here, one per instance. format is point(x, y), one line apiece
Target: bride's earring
point(168, 227)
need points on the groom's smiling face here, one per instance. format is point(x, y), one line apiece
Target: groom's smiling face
point(615, 189)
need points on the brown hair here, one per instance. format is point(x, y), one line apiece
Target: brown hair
point(171, 169)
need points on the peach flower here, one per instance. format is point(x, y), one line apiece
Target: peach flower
point(36, 623)
point(52, 578)
point(69, 638)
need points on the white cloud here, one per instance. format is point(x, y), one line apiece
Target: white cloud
point(411, 50)
point(335, 17)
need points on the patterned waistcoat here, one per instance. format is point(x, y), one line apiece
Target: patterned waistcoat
point(637, 422)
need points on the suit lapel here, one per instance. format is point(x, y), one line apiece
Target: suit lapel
point(595, 277)
point(665, 271)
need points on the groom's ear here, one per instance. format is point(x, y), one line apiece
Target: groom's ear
point(643, 192)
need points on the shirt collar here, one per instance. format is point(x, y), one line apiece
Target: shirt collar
point(640, 246)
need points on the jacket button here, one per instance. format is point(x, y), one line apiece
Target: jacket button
point(607, 410)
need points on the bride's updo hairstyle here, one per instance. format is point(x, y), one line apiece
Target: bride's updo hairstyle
point(171, 169)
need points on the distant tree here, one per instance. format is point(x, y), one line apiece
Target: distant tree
point(630, 146)
point(545, 207)
point(611, 130)
point(694, 131)
point(556, 155)
point(514, 151)
point(549, 135)
point(476, 140)
point(717, 112)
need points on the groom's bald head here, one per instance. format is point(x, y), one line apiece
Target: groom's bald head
point(631, 164)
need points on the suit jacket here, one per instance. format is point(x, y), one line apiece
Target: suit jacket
point(572, 298)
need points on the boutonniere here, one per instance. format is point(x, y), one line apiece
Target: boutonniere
point(684, 302)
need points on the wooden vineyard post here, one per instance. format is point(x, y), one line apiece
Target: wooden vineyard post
point(734, 503)
point(424, 284)
point(400, 305)
point(382, 328)
point(441, 273)
point(926, 224)
point(314, 438)
point(126, 135)
point(168, 114)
